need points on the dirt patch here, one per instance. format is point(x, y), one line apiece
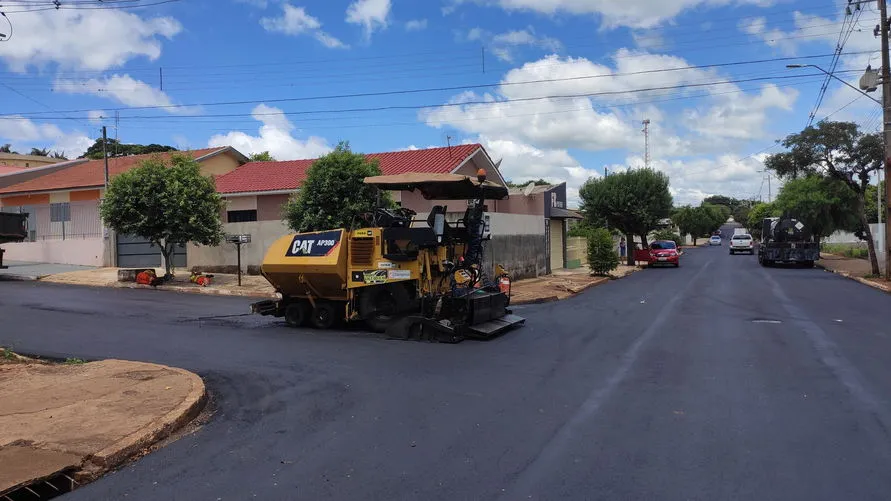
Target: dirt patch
point(102, 412)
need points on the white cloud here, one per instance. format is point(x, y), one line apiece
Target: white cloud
point(757, 27)
point(121, 88)
point(85, 39)
point(694, 179)
point(504, 44)
point(22, 131)
point(630, 13)
point(95, 116)
point(275, 136)
point(416, 25)
point(296, 21)
point(740, 116)
point(370, 14)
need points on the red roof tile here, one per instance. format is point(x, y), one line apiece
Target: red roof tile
point(90, 174)
point(288, 175)
point(9, 169)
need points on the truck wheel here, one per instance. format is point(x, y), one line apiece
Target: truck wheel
point(296, 314)
point(380, 304)
point(324, 315)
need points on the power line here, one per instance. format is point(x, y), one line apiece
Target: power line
point(441, 89)
point(466, 103)
point(97, 5)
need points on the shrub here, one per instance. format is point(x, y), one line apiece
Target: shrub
point(668, 235)
point(601, 256)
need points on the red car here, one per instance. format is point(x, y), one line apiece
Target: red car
point(664, 252)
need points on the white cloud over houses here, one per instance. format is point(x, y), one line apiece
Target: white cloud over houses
point(85, 39)
point(24, 134)
point(536, 136)
point(416, 25)
point(276, 135)
point(296, 21)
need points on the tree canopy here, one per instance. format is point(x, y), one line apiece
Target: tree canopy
point(537, 182)
point(168, 204)
point(7, 148)
point(118, 149)
point(632, 202)
point(738, 208)
point(823, 204)
point(758, 213)
point(334, 194)
point(699, 221)
point(263, 156)
point(839, 151)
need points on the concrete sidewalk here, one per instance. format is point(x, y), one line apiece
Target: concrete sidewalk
point(853, 268)
point(20, 270)
point(82, 419)
point(561, 284)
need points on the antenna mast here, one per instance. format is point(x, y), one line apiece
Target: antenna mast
point(646, 131)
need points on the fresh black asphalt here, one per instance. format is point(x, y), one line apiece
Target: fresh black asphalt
point(718, 380)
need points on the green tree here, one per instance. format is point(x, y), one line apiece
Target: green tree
point(169, 205)
point(839, 151)
point(668, 235)
point(758, 213)
point(872, 214)
point(118, 149)
point(602, 257)
point(739, 209)
point(537, 182)
point(7, 148)
point(632, 202)
point(698, 222)
point(334, 194)
point(263, 156)
point(38, 152)
point(824, 205)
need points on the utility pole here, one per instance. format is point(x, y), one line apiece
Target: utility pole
point(105, 156)
point(646, 131)
point(886, 115)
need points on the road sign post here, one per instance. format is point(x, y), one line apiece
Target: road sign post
point(238, 240)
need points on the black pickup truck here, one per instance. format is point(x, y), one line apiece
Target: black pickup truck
point(13, 228)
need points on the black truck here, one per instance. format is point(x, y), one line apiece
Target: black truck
point(13, 228)
point(787, 240)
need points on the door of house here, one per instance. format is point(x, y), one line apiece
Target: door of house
point(137, 252)
point(555, 236)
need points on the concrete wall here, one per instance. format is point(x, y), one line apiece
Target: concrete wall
point(518, 243)
point(269, 207)
point(86, 252)
point(224, 257)
point(218, 165)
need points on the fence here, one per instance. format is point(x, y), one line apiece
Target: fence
point(61, 221)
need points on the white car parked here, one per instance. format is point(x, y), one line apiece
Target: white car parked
point(742, 243)
point(715, 240)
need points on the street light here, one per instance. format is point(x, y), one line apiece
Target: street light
point(833, 76)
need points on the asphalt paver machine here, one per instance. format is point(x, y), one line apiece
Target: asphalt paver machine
point(413, 279)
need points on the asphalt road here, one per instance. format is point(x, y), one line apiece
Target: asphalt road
point(718, 380)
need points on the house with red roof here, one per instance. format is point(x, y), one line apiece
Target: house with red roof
point(62, 200)
point(256, 191)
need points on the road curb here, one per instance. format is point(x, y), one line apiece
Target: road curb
point(17, 278)
point(193, 290)
point(862, 280)
point(550, 299)
point(185, 412)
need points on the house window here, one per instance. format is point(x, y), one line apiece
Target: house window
point(60, 212)
point(241, 216)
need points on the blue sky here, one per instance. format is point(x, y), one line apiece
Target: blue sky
point(64, 73)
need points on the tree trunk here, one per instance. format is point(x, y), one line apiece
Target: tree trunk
point(629, 249)
point(643, 240)
point(694, 241)
point(167, 252)
point(870, 243)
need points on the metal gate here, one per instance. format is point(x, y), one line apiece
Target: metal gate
point(137, 252)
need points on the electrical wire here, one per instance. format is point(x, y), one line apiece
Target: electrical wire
point(436, 89)
point(37, 8)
